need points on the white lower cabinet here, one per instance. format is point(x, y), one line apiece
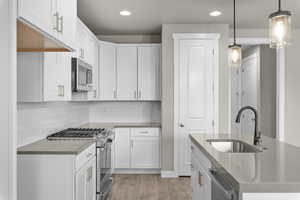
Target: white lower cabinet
point(122, 148)
point(137, 148)
point(57, 176)
point(200, 179)
point(86, 181)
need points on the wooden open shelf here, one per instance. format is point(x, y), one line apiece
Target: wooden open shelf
point(30, 39)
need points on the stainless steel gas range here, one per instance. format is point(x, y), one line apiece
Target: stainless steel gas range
point(104, 138)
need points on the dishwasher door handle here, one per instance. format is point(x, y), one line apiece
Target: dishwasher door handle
point(228, 194)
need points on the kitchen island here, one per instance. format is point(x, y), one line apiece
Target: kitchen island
point(273, 169)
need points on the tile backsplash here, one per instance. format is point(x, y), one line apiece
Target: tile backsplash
point(136, 112)
point(37, 120)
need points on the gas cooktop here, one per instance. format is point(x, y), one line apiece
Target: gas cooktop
point(78, 133)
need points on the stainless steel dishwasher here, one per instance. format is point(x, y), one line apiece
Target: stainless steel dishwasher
point(221, 187)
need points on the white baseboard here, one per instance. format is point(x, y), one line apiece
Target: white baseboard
point(168, 174)
point(136, 171)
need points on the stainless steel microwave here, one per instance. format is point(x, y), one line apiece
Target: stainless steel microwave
point(82, 76)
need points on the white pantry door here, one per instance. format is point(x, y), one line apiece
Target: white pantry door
point(249, 91)
point(196, 99)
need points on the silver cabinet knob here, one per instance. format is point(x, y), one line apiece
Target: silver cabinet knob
point(181, 125)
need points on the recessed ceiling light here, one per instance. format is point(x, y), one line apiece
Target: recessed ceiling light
point(125, 13)
point(215, 13)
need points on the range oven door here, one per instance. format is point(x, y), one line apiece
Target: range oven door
point(104, 180)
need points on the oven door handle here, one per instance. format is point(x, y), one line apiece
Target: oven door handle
point(229, 194)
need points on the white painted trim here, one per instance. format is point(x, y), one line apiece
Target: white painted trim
point(138, 44)
point(280, 101)
point(190, 36)
point(280, 82)
point(168, 174)
point(136, 171)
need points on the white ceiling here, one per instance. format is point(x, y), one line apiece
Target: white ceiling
point(102, 16)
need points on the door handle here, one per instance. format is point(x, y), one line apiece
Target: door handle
point(181, 125)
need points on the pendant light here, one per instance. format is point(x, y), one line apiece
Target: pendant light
point(280, 27)
point(235, 50)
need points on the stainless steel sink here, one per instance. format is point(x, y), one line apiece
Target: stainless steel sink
point(232, 146)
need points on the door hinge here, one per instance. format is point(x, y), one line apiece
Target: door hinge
point(213, 87)
point(213, 52)
point(213, 123)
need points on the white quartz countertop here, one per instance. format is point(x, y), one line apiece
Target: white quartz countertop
point(55, 147)
point(121, 125)
point(276, 169)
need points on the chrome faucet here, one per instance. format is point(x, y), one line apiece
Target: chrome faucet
point(257, 134)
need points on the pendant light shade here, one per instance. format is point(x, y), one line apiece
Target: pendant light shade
point(235, 50)
point(235, 55)
point(280, 28)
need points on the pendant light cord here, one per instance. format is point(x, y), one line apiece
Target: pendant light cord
point(234, 31)
point(279, 5)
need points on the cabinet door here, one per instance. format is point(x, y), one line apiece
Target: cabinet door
point(107, 71)
point(67, 11)
point(82, 40)
point(64, 62)
point(149, 73)
point(94, 62)
point(122, 148)
point(52, 77)
point(201, 182)
point(86, 181)
point(127, 73)
point(40, 14)
point(145, 152)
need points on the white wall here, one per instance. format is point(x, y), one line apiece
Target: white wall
point(125, 112)
point(37, 120)
point(8, 100)
point(292, 87)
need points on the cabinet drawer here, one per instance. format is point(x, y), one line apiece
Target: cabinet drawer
point(145, 132)
point(85, 156)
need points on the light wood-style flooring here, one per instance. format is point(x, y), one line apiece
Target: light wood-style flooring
point(150, 187)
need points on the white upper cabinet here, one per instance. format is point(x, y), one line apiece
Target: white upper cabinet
point(54, 17)
point(149, 72)
point(129, 72)
point(67, 16)
point(126, 73)
point(94, 94)
point(38, 13)
point(85, 43)
point(107, 71)
point(44, 77)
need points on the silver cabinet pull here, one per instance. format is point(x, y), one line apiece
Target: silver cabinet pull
point(200, 179)
point(55, 15)
point(144, 132)
point(95, 93)
point(61, 24)
point(140, 94)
